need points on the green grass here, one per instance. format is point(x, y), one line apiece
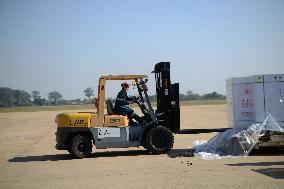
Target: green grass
point(45, 108)
point(198, 102)
point(202, 102)
point(82, 107)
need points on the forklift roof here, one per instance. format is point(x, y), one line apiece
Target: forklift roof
point(123, 77)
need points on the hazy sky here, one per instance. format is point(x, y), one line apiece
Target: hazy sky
point(66, 45)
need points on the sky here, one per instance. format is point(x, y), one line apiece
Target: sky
point(67, 45)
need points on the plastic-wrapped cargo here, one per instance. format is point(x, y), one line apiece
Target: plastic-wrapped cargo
point(235, 142)
point(256, 115)
point(250, 98)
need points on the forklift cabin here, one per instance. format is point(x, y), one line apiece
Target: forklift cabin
point(112, 118)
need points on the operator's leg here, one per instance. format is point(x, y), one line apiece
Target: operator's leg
point(132, 115)
point(137, 118)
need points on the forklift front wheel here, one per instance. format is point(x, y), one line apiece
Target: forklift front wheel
point(159, 140)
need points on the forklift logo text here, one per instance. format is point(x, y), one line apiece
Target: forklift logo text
point(114, 120)
point(78, 122)
point(108, 132)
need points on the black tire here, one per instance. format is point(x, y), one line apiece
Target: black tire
point(159, 140)
point(143, 143)
point(145, 146)
point(80, 146)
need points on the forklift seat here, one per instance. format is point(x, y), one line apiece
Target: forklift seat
point(110, 109)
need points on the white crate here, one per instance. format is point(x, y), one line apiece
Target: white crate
point(249, 98)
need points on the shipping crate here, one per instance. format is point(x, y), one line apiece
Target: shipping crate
point(250, 98)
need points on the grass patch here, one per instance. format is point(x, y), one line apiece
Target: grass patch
point(197, 102)
point(202, 102)
point(84, 107)
point(45, 108)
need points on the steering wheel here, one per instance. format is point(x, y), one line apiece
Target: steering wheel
point(140, 103)
point(137, 100)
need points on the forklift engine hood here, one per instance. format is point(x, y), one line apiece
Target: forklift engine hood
point(89, 119)
point(79, 119)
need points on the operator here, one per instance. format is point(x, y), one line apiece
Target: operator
point(122, 102)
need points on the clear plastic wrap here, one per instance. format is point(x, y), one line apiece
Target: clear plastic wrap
point(234, 142)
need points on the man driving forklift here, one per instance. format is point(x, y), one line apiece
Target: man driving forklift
point(122, 101)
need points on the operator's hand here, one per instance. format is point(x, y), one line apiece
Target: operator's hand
point(134, 100)
point(131, 102)
point(137, 99)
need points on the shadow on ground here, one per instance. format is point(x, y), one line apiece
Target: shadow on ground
point(174, 153)
point(56, 157)
point(276, 173)
point(119, 153)
point(266, 151)
point(258, 164)
point(61, 157)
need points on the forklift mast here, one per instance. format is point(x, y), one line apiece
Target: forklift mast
point(168, 106)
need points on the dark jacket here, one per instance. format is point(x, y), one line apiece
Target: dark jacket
point(121, 102)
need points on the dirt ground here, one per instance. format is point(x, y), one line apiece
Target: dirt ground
point(28, 159)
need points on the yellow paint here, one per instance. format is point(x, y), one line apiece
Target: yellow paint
point(123, 77)
point(101, 97)
point(115, 120)
point(94, 120)
point(89, 119)
point(81, 119)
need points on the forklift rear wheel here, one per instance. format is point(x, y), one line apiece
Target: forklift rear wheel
point(159, 140)
point(80, 146)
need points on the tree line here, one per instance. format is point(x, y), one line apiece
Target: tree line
point(11, 97)
point(15, 98)
point(195, 96)
point(208, 96)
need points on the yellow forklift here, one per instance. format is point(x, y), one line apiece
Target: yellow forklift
point(78, 132)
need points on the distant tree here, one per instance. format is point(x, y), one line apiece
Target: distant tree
point(85, 101)
point(7, 97)
point(11, 97)
point(189, 93)
point(37, 100)
point(192, 96)
point(213, 96)
point(89, 92)
point(40, 102)
point(55, 97)
point(23, 98)
point(35, 95)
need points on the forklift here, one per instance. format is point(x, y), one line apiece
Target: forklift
point(78, 132)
